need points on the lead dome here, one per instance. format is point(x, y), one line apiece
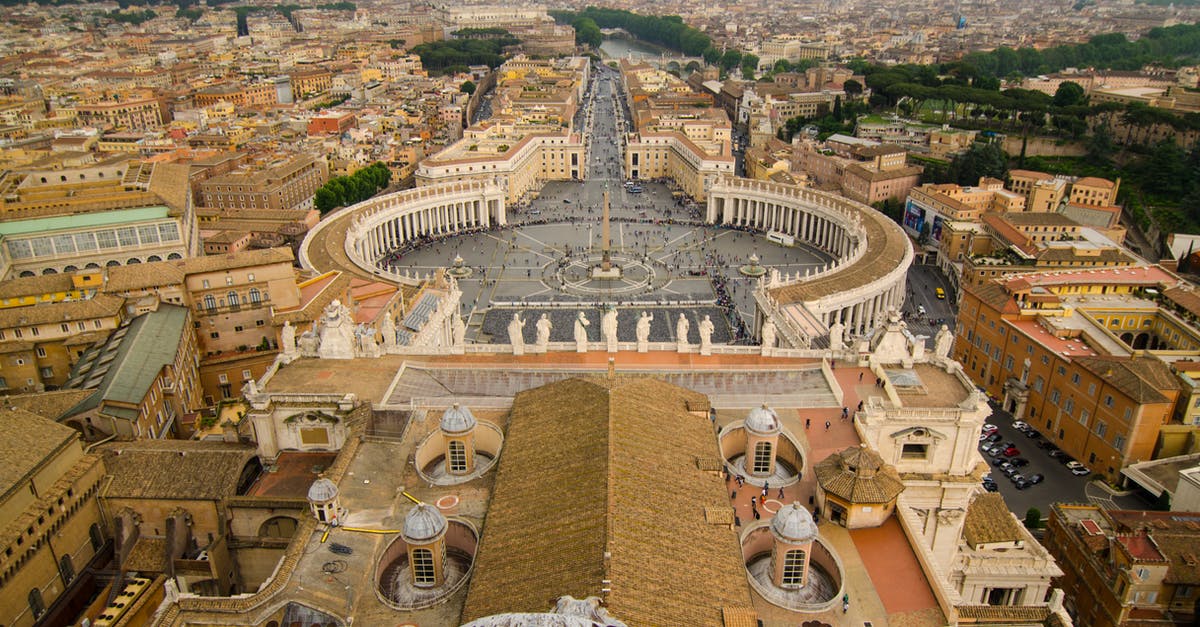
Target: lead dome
point(763, 420)
point(794, 524)
point(322, 490)
point(457, 419)
point(423, 523)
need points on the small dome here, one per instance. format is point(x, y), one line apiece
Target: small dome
point(458, 419)
point(763, 420)
point(423, 523)
point(322, 490)
point(794, 524)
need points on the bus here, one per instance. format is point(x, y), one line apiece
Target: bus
point(783, 239)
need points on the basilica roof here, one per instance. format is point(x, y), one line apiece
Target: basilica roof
point(615, 499)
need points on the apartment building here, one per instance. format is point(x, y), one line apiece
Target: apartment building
point(285, 183)
point(1082, 355)
point(146, 376)
point(53, 529)
point(1125, 568)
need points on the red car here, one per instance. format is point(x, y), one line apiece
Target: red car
point(1011, 451)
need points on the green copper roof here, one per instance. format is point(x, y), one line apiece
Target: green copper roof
point(82, 220)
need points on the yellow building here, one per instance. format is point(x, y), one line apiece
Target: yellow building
point(52, 527)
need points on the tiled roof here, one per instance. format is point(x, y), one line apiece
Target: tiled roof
point(49, 405)
point(1004, 614)
point(1185, 297)
point(612, 499)
point(858, 475)
point(99, 306)
point(143, 276)
point(174, 469)
point(123, 368)
point(26, 439)
point(1139, 378)
point(35, 285)
point(988, 520)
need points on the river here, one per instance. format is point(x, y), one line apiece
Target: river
point(640, 50)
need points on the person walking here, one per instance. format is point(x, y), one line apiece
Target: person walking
point(827, 425)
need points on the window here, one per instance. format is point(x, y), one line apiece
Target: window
point(37, 605)
point(66, 328)
point(255, 296)
point(1038, 383)
point(66, 569)
point(458, 456)
point(793, 569)
point(204, 283)
point(1108, 400)
point(422, 560)
point(914, 451)
point(41, 352)
point(1101, 428)
point(81, 326)
point(1075, 378)
point(1008, 363)
point(1054, 396)
point(1083, 417)
point(232, 297)
point(1119, 442)
point(34, 331)
point(250, 277)
point(1062, 371)
point(1091, 389)
point(1128, 413)
point(47, 372)
point(228, 280)
point(223, 378)
point(246, 375)
point(762, 458)
point(214, 335)
point(210, 303)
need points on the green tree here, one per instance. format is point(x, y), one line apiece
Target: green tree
point(731, 59)
point(711, 55)
point(1033, 518)
point(979, 161)
point(468, 87)
point(852, 88)
point(587, 33)
point(325, 199)
point(1069, 93)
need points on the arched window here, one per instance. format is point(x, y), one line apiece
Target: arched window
point(255, 296)
point(174, 256)
point(762, 458)
point(458, 456)
point(233, 299)
point(423, 567)
point(793, 568)
point(210, 303)
point(153, 258)
point(96, 536)
point(278, 527)
point(66, 569)
point(37, 605)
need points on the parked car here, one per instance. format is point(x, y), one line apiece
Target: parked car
point(1036, 478)
point(999, 461)
point(1081, 471)
point(1032, 434)
point(1022, 483)
point(1020, 425)
point(995, 437)
point(941, 293)
point(1054, 452)
point(991, 487)
point(995, 451)
point(990, 428)
point(1011, 472)
point(1012, 451)
point(1066, 460)
point(1015, 477)
point(1019, 461)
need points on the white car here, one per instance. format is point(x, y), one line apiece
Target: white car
point(1020, 425)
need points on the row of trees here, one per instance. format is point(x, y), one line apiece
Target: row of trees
point(668, 31)
point(455, 55)
point(341, 191)
point(1171, 46)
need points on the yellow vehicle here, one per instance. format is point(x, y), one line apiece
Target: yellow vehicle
point(941, 293)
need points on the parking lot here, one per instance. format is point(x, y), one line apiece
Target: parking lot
point(1059, 485)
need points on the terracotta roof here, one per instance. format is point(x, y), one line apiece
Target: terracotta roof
point(858, 475)
point(49, 405)
point(35, 285)
point(1185, 297)
point(99, 306)
point(1004, 614)
point(143, 276)
point(1092, 181)
point(174, 469)
point(148, 555)
point(1140, 378)
point(1184, 555)
point(612, 500)
point(26, 440)
point(988, 520)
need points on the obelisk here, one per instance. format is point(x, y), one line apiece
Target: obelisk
point(605, 260)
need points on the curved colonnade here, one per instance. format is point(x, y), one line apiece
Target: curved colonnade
point(872, 256)
point(379, 225)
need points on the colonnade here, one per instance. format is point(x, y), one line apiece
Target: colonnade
point(387, 223)
point(866, 279)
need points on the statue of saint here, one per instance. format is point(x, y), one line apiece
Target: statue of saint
point(458, 330)
point(288, 338)
point(643, 327)
point(516, 335)
point(706, 331)
point(581, 337)
point(388, 329)
point(768, 334)
point(943, 341)
point(681, 329)
point(608, 328)
point(836, 331)
point(543, 331)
